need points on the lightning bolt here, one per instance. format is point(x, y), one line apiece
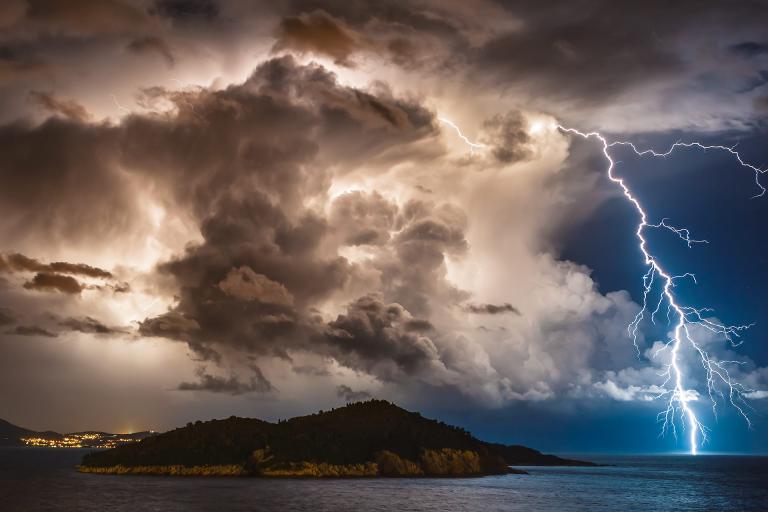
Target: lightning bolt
point(472, 145)
point(718, 378)
point(118, 105)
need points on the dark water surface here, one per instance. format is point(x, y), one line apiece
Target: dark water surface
point(43, 480)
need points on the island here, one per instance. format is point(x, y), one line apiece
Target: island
point(364, 439)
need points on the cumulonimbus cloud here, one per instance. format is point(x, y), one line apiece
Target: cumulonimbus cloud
point(309, 218)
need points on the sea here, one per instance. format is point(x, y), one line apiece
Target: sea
point(43, 479)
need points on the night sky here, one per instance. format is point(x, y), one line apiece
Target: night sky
point(212, 208)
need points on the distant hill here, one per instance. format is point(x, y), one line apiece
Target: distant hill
point(373, 438)
point(12, 435)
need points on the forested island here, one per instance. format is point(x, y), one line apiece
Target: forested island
point(364, 439)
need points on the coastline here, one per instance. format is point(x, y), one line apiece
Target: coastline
point(239, 471)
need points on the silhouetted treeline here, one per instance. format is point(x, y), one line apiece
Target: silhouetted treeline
point(361, 439)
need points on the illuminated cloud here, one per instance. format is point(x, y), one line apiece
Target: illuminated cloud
point(271, 187)
point(350, 395)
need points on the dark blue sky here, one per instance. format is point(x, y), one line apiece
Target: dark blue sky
point(711, 194)
point(615, 427)
point(708, 193)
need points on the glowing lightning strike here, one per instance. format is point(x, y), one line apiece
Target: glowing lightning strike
point(472, 145)
point(118, 105)
point(719, 381)
point(717, 374)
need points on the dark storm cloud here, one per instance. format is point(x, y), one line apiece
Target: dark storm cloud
point(86, 324)
point(270, 126)
point(392, 338)
point(89, 325)
point(31, 330)
point(317, 371)
point(432, 231)
point(61, 106)
point(243, 163)
point(419, 325)
point(83, 17)
point(244, 284)
point(60, 47)
point(316, 32)
point(50, 282)
point(187, 10)
point(15, 67)
point(57, 276)
point(152, 45)
point(59, 180)
point(587, 51)
point(406, 33)
point(6, 317)
point(231, 385)
point(373, 333)
point(749, 49)
point(508, 137)
point(350, 395)
point(363, 219)
point(250, 283)
point(250, 172)
point(359, 12)
point(591, 50)
point(428, 232)
point(20, 262)
point(492, 309)
point(11, 11)
point(756, 81)
point(118, 287)
point(242, 287)
point(171, 325)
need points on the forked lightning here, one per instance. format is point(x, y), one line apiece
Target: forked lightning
point(659, 291)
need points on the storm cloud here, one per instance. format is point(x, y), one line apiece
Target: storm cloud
point(492, 309)
point(256, 383)
point(272, 191)
point(350, 395)
point(19, 262)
